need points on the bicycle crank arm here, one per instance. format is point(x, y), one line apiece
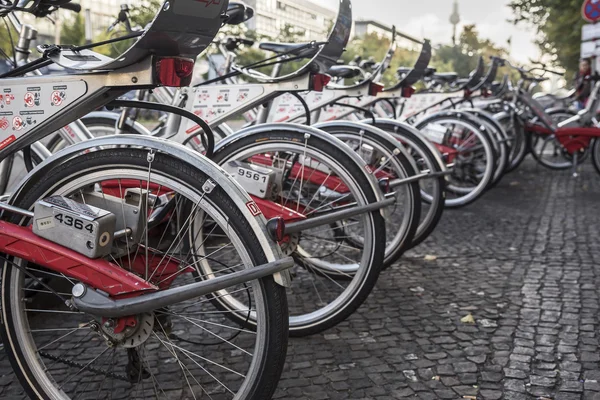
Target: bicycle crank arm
point(93, 302)
point(334, 216)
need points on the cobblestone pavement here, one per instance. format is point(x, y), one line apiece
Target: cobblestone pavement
point(522, 261)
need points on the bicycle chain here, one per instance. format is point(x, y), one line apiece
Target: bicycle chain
point(72, 363)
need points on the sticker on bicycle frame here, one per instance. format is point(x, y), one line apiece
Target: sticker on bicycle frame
point(212, 102)
point(6, 98)
point(333, 112)
point(288, 107)
point(7, 141)
point(23, 106)
point(32, 99)
point(419, 102)
point(253, 208)
point(57, 97)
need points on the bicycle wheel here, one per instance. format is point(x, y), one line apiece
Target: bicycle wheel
point(431, 189)
point(499, 141)
point(386, 157)
point(517, 141)
point(333, 275)
point(469, 148)
point(547, 150)
point(187, 350)
point(596, 155)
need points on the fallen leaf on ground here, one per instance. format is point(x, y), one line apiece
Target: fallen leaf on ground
point(468, 319)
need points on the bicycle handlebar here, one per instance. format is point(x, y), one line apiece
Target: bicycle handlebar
point(526, 74)
point(76, 8)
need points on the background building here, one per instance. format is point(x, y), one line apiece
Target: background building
point(309, 19)
point(102, 13)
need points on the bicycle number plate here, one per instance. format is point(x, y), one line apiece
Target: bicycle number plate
point(435, 133)
point(85, 229)
point(367, 153)
point(256, 180)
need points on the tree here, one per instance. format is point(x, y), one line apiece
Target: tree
point(558, 24)
point(144, 13)
point(73, 31)
point(8, 38)
point(463, 57)
point(376, 47)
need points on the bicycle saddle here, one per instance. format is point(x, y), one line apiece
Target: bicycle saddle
point(427, 72)
point(445, 77)
point(238, 12)
point(344, 71)
point(367, 64)
point(293, 49)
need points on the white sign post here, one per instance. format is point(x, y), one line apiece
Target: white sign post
point(590, 42)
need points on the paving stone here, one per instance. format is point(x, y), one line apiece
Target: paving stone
point(463, 367)
point(491, 394)
point(524, 258)
point(542, 381)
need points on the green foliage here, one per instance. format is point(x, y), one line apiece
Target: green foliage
point(72, 31)
point(558, 24)
point(463, 57)
point(5, 43)
point(376, 47)
point(144, 13)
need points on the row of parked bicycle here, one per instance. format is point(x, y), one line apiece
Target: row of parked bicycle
point(175, 262)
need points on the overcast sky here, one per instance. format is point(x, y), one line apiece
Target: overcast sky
point(430, 19)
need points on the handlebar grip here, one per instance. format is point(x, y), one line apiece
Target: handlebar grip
point(72, 7)
point(246, 42)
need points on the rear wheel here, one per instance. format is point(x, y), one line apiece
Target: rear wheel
point(189, 349)
point(469, 148)
point(547, 150)
point(387, 162)
point(337, 263)
point(431, 189)
point(517, 142)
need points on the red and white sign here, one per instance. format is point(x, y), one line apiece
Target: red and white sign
point(17, 123)
point(253, 208)
point(591, 10)
point(57, 98)
point(7, 141)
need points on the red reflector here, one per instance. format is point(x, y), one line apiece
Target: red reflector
point(320, 81)
point(384, 185)
point(375, 87)
point(276, 228)
point(174, 72)
point(407, 92)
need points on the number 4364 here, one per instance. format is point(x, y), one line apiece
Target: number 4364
point(74, 222)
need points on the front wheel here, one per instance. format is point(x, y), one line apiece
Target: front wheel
point(190, 349)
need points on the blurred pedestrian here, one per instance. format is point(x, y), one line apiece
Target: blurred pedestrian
point(583, 82)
